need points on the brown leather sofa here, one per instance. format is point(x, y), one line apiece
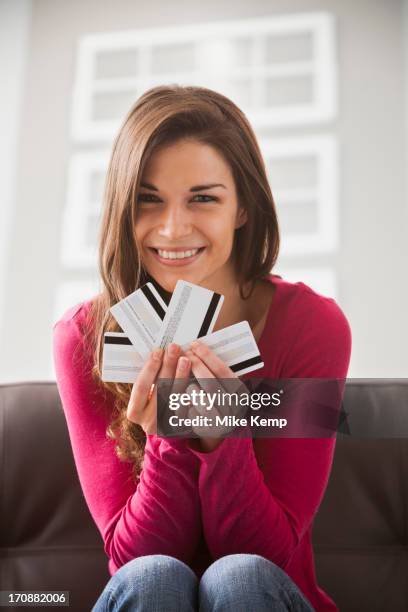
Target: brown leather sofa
point(49, 542)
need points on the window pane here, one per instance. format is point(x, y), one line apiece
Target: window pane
point(289, 48)
point(280, 91)
point(116, 63)
point(297, 217)
point(296, 172)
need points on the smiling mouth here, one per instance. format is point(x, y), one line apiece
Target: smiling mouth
point(179, 255)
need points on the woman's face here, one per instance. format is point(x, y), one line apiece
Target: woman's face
point(187, 213)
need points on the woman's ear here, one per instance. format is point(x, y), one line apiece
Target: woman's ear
point(242, 217)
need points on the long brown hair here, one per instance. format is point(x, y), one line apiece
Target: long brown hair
point(162, 116)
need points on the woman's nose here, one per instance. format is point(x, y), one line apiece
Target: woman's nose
point(175, 223)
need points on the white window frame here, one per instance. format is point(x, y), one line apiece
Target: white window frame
point(325, 239)
point(323, 68)
point(75, 253)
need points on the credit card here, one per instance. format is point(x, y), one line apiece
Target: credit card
point(140, 316)
point(120, 361)
point(191, 314)
point(236, 346)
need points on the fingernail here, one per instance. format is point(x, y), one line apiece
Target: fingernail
point(184, 363)
point(173, 349)
point(195, 344)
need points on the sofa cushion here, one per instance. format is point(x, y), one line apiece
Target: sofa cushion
point(48, 539)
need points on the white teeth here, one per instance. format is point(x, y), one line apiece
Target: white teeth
point(177, 254)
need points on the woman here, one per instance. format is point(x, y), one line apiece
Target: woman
point(199, 523)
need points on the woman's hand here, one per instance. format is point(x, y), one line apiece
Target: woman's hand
point(170, 364)
point(209, 369)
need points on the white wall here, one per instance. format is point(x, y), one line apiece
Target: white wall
point(371, 127)
point(14, 33)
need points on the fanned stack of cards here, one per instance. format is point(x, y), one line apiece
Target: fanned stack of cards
point(147, 322)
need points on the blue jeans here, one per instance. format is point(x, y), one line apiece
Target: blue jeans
point(240, 583)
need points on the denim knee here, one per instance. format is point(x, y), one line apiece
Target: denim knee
point(147, 569)
point(243, 582)
point(150, 583)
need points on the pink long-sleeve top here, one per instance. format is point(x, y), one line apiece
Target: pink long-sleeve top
point(248, 495)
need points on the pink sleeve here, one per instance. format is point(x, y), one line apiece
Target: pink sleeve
point(160, 513)
point(264, 503)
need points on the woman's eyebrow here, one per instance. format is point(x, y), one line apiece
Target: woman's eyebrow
point(149, 186)
point(210, 186)
point(195, 188)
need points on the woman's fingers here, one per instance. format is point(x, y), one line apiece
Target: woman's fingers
point(209, 365)
point(172, 368)
point(181, 381)
point(218, 378)
point(198, 365)
point(165, 364)
point(170, 359)
point(176, 368)
point(173, 365)
point(211, 360)
point(207, 379)
point(182, 375)
point(183, 368)
point(200, 430)
point(143, 384)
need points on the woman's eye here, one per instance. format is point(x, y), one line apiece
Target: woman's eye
point(145, 197)
point(210, 198)
point(148, 197)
